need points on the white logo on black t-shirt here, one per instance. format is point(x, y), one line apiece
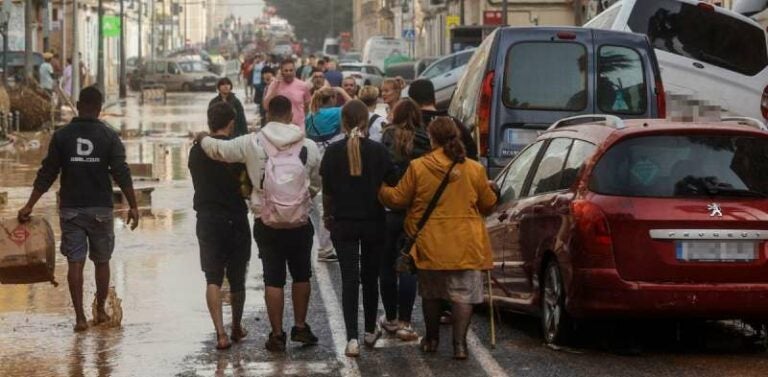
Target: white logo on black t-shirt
point(84, 149)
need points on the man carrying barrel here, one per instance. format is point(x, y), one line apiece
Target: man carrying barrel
point(88, 153)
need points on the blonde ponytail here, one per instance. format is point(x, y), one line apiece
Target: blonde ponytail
point(354, 120)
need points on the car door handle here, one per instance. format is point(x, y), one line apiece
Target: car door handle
point(698, 65)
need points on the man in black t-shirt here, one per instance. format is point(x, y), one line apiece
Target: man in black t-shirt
point(422, 91)
point(223, 231)
point(87, 153)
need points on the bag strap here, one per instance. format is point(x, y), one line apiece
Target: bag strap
point(435, 199)
point(373, 120)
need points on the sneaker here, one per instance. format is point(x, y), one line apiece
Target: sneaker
point(389, 326)
point(276, 343)
point(407, 333)
point(353, 348)
point(303, 335)
point(328, 258)
point(370, 338)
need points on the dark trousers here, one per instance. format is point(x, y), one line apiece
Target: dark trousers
point(398, 290)
point(359, 245)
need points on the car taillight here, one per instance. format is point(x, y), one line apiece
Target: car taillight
point(483, 122)
point(566, 35)
point(594, 235)
point(706, 7)
point(661, 99)
point(764, 103)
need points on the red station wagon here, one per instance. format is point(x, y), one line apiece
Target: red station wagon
point(601, 217)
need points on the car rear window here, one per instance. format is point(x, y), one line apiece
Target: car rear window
point(352, 68)
point(621, 81)
point(684, 166)
point(694, 32)
point(546, 76)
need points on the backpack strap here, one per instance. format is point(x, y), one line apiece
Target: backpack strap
point(373, 120)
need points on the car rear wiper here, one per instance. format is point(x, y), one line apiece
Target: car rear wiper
point(731, 191)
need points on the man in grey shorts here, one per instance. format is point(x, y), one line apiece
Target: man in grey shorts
point(88, 154)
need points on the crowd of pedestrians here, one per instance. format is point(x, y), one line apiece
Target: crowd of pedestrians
point(376, 191)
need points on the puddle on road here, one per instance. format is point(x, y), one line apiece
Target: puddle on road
point(155, 269)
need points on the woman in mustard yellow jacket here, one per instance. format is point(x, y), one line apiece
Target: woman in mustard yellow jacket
point(453, 247)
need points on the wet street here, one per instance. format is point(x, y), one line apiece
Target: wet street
point(166, 329)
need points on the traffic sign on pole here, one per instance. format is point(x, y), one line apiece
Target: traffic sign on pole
point(409, 34)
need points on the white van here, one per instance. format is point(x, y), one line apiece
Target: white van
point(377, 49)
point(331, 48)
point(704, 51)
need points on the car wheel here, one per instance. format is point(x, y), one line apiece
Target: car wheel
point(555, 322)
point(186, 87)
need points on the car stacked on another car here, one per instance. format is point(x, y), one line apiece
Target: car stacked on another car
point(520, 80)
point(601, 217)
point(445, 74)
point(705, 52)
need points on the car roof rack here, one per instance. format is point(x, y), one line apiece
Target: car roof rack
point(610, 121)
point(747, 121)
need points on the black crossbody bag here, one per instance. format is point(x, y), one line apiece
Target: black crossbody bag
point(405, 262)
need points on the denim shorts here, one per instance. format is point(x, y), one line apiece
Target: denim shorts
point(87, 232)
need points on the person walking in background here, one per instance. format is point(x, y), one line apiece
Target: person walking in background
point(46, 74)
point(422, 91)
point(287, 166)
point(223, 233)
point(333, 76)
point(369, 94)
point(390, 93)
point(66, 79)
point(306, 70)
point(453, 247)
point(353, 170)
point(267, 75)
point(227, 95)
point(256, 76)
point(406, 140)
point(324, 127)
point(246, 68)
point(317, 81)
point(287, 85)
point(89, 155)
point(350, 86)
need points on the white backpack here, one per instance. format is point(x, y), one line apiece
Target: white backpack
point(286, 199)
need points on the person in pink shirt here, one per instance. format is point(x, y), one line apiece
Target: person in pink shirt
point(286, 84)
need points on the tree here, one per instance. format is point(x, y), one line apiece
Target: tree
point(311, 19)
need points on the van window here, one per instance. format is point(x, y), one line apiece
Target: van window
point(514, 177)
point(581, 151)
point(462, 59)
point(546, 76)
point(549, 173)
point(684, 166)
point(159, 67)
point(711, 37)
point(621, 81)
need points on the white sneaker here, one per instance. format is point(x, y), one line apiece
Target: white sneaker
point(407, 333)
point(369, 339)
point(389, 326)
point(353, 348)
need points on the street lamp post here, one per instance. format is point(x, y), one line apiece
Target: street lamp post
point(75, 54)
point(100, 57)
point(140, 29)
point(5, 17)
point(122, 89)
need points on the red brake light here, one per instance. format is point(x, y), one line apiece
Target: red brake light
point(483, 122)
point(593, 234)
point(706, 7)
point(566, 35)
point(764, 103)
point(661, 99)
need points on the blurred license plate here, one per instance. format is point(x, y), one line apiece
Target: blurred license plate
point(716, 251)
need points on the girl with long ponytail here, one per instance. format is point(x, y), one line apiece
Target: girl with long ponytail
point(353, 169)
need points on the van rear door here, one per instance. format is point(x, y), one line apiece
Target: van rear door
point(541, 76)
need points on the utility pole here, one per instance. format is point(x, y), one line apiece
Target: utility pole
point(186, 22)
point(5, 18)
point(63, 31)
point(46, 26)
point(122, 91)
point(152, 30)
point(100, 57)
point(141, 32)
point(462, 22)
point(28, 19)
point(505, 12)
point(333, 18)
point(75, 54)
point(164, 16)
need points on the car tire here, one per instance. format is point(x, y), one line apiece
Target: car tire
point(556, 324)
point(185, 87)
